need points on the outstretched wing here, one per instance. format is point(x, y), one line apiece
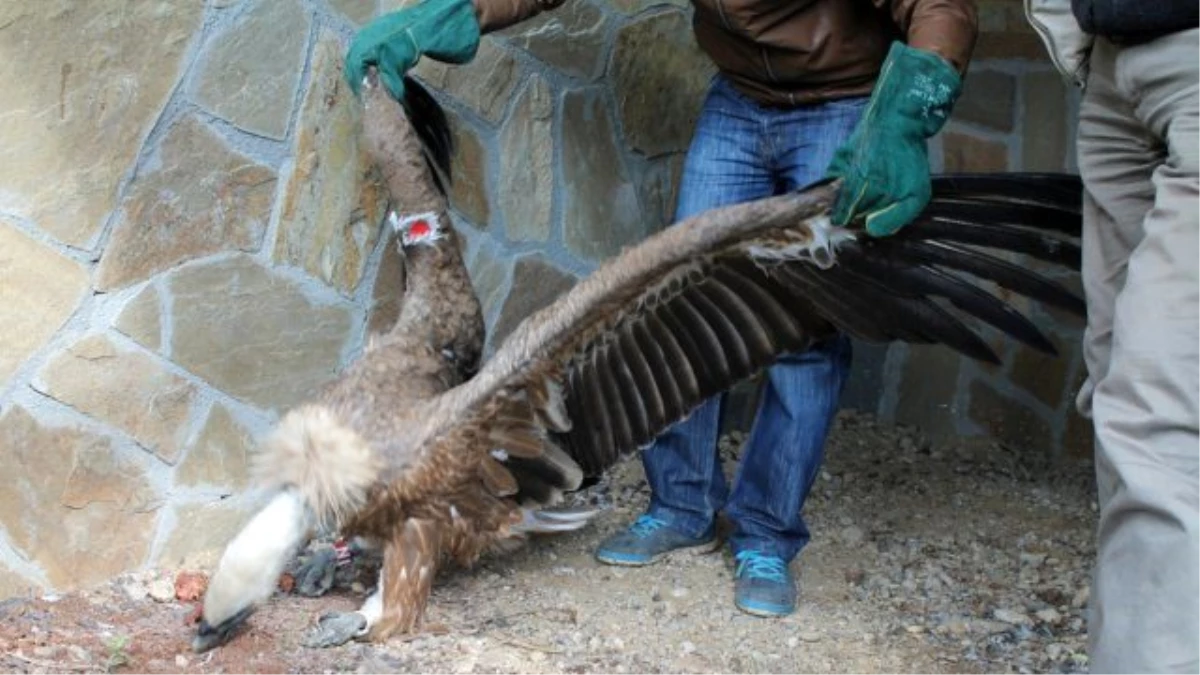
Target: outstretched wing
point(703, 304)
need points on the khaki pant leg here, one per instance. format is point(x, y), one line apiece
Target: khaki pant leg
point(1138, 156)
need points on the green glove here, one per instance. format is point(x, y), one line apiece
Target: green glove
point(445, 30)
point(884, 165)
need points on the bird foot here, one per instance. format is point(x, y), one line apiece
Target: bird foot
point(336, 628)
point(315, 576)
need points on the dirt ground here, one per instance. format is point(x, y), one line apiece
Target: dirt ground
point(965, 558)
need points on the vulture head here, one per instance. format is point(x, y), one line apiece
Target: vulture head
point(250, 567)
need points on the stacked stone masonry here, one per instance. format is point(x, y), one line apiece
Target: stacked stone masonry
point(191, 241)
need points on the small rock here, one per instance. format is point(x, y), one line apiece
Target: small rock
point(1011, 616)
point(679, 592)
point(135, 591)
point(357, 588)
point(852, 535)
point(287, 582)
point(793, 642)
point(162, 590)
point(1048, 615)
point(810, 636)
point(656, 596)
point(563, 571)
point(190, 586)
point(44, 652)
point(1055, 651)
point(181, 661)
point(955, 626)
point(1033, 559)
point(687, 647)
point(914, 629)
point(1081, 597)
point(79, 653)
point(990, 627)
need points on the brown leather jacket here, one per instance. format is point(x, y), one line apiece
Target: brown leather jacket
point(792, 52)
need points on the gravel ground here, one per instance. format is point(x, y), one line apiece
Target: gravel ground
point(960, 558)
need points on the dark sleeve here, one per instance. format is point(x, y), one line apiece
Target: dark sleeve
point(495, 15)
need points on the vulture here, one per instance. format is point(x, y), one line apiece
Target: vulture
point(433, 457)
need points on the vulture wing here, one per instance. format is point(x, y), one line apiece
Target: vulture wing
point(701, 305)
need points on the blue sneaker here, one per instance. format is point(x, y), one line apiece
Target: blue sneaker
point(764, 585)
point(646, 541)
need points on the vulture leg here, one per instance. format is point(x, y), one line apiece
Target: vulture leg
point(315, 577)
point(410, 562)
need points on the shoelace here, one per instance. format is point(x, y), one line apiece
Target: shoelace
point(757, 565)
point(644, 526)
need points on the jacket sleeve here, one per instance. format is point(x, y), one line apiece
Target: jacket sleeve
point(495, 15)
point(947, 28)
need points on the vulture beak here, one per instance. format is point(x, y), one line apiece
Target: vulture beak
point(208, 637)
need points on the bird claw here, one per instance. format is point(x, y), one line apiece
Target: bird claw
point(336, 628)
point(315, 577)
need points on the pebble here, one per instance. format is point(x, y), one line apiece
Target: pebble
point(1081, 597)
point(162, 590)
point(810, 636)
point(687, 647)
point(79, 653)
point(793, 641)
point(679, 592)
point(852, 535)
point(1033, 559)
point(134, 591)
point(1048, 615)
point(1011, 616)
point(181, 661)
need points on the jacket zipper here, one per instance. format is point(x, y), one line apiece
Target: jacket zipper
point(1043, 32)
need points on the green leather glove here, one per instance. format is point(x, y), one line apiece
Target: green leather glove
point(445, 30)
point(884, 165)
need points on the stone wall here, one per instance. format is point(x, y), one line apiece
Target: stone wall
point(190, 241)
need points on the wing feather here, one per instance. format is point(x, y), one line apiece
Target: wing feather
point(708, 302)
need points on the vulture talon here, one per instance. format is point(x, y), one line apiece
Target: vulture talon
point(315, 577)
point(336, 628)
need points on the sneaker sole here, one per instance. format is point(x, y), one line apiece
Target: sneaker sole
point(765, 612)
point(643, 562)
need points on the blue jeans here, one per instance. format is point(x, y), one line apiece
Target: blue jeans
point(742, 151)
